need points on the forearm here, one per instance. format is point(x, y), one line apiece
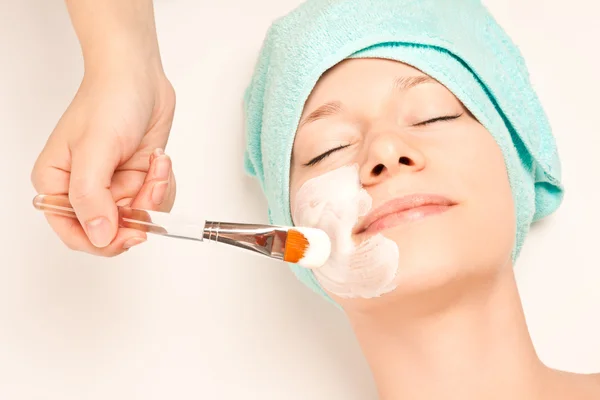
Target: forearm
point(115, 33)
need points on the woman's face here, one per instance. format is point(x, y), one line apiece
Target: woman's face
point(413, 141)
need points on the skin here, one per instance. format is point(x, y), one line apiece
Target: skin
point(454, 328)
point(99, 152)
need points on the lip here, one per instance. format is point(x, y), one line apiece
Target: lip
point(403, 209)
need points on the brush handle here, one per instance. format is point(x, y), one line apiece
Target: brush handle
point(155, 222)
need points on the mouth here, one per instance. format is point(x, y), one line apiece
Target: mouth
point(403, 209)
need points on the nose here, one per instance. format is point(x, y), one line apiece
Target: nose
point(387, 155)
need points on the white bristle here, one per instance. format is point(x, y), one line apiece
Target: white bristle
point(319, 248)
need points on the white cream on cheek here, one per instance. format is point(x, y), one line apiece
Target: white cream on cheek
point(333, 202)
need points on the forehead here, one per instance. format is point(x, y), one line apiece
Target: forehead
point(353, 76)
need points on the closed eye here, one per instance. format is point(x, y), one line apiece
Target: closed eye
point(438, 119)
point(321, 157)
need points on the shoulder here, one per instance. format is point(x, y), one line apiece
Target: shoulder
point(576, 386)
point(594, 385)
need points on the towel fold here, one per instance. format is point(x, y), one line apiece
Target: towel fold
point(456, 42)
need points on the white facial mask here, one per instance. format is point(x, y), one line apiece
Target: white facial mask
point(333, 202)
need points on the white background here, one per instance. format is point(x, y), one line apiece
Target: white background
point(174, 319)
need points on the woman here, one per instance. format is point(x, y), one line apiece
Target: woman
point(409, 132)
point(447, 322)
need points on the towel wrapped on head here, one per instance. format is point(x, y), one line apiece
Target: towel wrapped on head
point(457, 43)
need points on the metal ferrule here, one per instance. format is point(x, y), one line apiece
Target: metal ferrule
point(264, 239)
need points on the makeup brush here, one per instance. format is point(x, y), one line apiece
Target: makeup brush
point(308, 247)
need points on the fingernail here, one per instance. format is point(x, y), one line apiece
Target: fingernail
point(134, 241)
point(154, 154)
point(158, 152)
point(98, 231)
point(162, 168)
point(158, 192)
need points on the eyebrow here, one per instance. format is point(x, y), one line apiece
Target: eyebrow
point(326, 110)
point(402, 83)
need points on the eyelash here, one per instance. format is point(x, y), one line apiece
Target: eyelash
point(321, 157)
point(439, 119)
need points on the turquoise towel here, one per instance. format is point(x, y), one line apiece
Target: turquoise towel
point(456, 42)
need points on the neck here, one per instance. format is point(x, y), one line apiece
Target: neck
point(468, 346)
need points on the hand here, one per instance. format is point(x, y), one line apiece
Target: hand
point(99, 154)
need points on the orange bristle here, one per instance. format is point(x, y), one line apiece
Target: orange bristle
point(295, 246)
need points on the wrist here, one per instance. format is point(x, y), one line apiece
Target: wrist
point(143, 78)
point(117, 59)
point(116, 36)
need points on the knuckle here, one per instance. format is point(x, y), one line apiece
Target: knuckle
point(33, 178)
point(79, 190)
point(170, 94)
point(36, 176)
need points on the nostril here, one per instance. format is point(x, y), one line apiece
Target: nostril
point(377, 170)
point(405, 161)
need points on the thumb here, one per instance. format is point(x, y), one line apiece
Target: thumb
point(94, 161)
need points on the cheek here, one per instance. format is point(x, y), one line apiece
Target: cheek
point(296, 181)
point(489, 176)
point(480, 168)
point(488, 194)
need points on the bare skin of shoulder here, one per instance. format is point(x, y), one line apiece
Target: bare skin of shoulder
point(571, 386)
